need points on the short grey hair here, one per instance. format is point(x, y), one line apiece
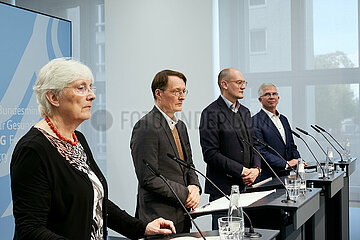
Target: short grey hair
point(264, 85)
point(54, 76)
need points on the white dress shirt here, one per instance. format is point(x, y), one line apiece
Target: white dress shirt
point(171, 122)
point(275, 118)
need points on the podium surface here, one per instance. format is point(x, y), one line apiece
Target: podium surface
point(267, 234)
point(271, 212)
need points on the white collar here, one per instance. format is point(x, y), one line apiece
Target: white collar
point(270, 114)
point(231, 105)
point(171, 122)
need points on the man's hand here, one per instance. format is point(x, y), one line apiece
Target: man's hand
point(249, 175)
point(292, 162)
point(194, 197)
point(160, 226)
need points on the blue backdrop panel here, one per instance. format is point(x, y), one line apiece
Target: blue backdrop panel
point(28, 41)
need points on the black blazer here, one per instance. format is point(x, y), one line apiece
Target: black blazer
point(266, 131)
point(151, 141)
point(53, 200)
point(222, 146)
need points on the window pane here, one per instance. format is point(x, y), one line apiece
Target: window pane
point(256, 3)
point(258, 41)
point(270, 37)
point(335, 33)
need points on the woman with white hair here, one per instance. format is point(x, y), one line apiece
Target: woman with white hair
point(58, 190)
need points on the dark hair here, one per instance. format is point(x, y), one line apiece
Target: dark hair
point(161, 79)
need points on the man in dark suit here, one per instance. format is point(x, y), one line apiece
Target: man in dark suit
point(224, 124)
point(155, 135)
point(274, 129)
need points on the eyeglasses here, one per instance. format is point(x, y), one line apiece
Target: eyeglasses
point(238, 82)
point(267, 95)
point(83, 90)
point(177, 92)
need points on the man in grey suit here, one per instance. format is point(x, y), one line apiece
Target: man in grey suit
point(155, 135)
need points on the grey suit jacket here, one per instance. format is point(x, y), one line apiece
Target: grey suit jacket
point(152, 140)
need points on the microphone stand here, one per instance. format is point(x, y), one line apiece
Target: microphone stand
point(315, 128)
point(157, 173)
point(277, 153)
point(322, 129)
point(298, 136)
point(251, 233)
point(308, 134)
point(261, 156)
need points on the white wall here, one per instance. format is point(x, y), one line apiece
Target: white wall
point(142, 38)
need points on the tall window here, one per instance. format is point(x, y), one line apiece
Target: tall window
point(310, 50)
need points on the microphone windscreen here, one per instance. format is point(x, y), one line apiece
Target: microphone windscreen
point(303, 131)
point(296, 134)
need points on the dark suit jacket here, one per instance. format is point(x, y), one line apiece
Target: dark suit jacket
point(152, 140)
point(266, 131)
point(222, 146)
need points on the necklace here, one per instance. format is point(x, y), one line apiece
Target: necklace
point(51, 125)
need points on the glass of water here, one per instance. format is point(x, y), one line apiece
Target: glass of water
point(230, 228)
point(293, 188)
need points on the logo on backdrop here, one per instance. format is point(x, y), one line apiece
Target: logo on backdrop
point(29, 40)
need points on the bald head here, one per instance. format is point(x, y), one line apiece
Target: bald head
point(228, 74)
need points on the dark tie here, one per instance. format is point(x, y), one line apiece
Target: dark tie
point(239, 124)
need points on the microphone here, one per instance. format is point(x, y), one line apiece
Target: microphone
point(277, 153)
point(251, 233)
point(316, 129)
point(298, 136)
point(330, 136)
point(308, 134)
point(158, 174)
point(277, 176)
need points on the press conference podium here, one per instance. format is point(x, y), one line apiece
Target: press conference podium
point(271, 212)
point(266, 235)
point(327, 221)
point(348, 167)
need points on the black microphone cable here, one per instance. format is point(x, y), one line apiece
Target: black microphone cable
point(277, 153)
point(308, 134)
point(157, 173)
point(316, 129)
point(298, 136)
point(322, 129)
point(251, 233)
point(266, 162)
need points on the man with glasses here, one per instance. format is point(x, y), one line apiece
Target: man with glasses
point(224, 126)
point(155, 135)
point(274, 129)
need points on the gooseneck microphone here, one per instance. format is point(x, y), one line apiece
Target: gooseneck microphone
point(308, 134)
point(272, 170)
point(298, 136)
point(157, 173)
point(251, 233)
point(322, 129)
point(277, 153)
point(316, 129)
point(192, 167)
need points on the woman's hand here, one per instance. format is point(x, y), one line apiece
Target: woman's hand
point(160, 226)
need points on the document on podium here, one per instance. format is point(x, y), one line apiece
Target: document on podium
point(193, 238)
point(246, 199)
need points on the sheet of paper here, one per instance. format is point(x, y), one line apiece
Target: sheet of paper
point(193, 238)
point(246, 199)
